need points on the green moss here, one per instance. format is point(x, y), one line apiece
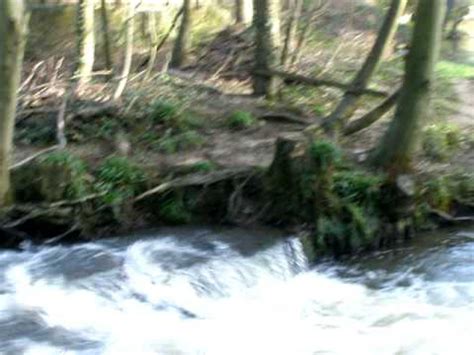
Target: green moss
point(240, 120)
point(119, 179)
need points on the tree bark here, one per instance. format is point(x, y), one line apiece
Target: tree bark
point(182, 43)
point(347, 106)
point(243, 12)
point(13, 27)
point(130, 21)
point(105, 33)
point(395, 150)
point(152, 42)
point(267, 31)
point(290, 32)
point(85, 40)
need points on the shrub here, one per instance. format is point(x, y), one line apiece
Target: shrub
point(173, 211)
point(324, 153)
point(437, 193)
point(240, 120)
point(163, 112)
point(120, 179)
point(357, 186)
point(440, 140)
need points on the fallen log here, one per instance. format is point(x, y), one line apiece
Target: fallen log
point(292, 78)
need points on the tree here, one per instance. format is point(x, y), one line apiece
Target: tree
point(396, 147)
point(127, 64)
point(266, 21)
point(85, 39)
point(182, 43)
point(347, 106)
point(105, 33)
point(13, 26)
point(290, 31)
point(243, 11)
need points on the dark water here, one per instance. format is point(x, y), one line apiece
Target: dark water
point(204, 291)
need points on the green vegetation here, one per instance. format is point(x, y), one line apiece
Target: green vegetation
point(240, 120)
point(440, 140)
point(119, 179)
point(324, 153)
point(161, 112)
point(357, 186)
point(451, 70)
point(173, 211)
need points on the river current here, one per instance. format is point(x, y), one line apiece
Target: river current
point(210, 291)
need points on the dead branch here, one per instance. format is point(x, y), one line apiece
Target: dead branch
point(33, 157)
point(292, 78)
point(31, 76)
point(447, 219)
point(194, 180)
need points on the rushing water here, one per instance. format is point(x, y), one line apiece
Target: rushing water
point(204, 291)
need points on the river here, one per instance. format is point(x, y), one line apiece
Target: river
point(232, 291)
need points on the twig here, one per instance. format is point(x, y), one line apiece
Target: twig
point(33, 157)
point(57, 238)
point(61, 123)
point(31, 76)
point(193, 180)
point(158, 46)
point(221, 68)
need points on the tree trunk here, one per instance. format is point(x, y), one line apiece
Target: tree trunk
point(396, 147)
point(85, 40)
point(105, 33)
point(345, 109)
point(243, 12)
point(130, 21)
point(267, 30)
point(13, 26)
point(182, 43)
point(153, 42)
point(290, 32)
